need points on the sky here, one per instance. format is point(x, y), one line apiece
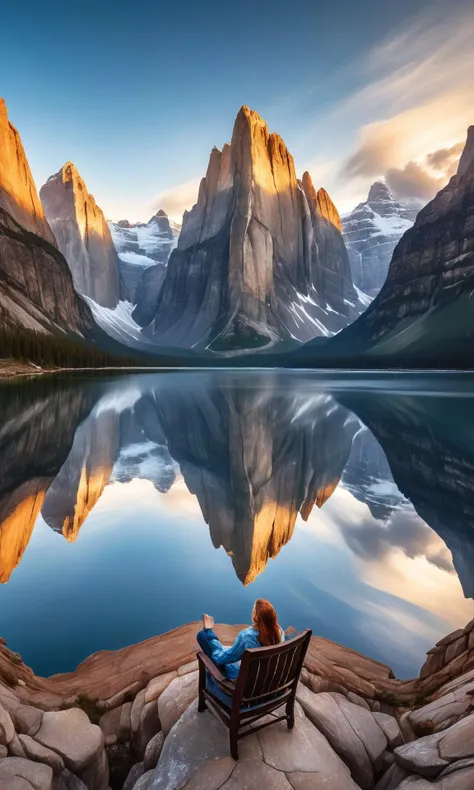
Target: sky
point(137, 94)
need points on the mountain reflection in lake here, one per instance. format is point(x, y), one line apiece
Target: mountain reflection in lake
point(359, 488)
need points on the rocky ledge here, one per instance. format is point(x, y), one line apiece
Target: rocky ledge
point(128, 719)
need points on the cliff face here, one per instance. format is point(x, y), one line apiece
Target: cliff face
point(18, 195)
point(371, 233)
point(260, 256)
point(425, 310)
point(36, 288)
point(83, 236)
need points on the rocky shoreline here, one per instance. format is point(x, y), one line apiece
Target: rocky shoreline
point(128, 719)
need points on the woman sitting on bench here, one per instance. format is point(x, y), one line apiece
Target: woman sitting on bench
point(263, 632)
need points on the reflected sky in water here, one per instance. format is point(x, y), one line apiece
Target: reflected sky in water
point(130, 505)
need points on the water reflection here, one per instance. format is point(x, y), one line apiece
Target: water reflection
point(390, 475)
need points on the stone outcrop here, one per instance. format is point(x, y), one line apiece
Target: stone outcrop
point(18, 195)
point(141, 247)
point(82, 235)
point(260, 257)
point(423, 313)
point(371, 232)
point(355, 738)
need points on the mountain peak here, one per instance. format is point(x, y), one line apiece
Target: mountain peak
point(379, 191)
point(466, 163)
point(83, 235)
point(18, 194)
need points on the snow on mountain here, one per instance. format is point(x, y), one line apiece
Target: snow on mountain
point(118, 323)
point(140, 245)
point(371, 233)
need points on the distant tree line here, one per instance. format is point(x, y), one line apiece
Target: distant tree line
point(52, 351)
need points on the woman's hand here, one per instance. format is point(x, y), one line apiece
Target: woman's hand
point(207, 621)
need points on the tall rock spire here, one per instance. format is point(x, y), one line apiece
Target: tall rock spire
point(18, 195)
point(252, 261)
point(83, 235)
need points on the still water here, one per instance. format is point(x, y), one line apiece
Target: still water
point(131, 504)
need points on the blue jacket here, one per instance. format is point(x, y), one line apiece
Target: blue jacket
point(229, 657)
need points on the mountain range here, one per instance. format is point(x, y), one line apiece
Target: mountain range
point(262, 263)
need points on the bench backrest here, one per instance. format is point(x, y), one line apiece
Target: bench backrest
point(268, 672)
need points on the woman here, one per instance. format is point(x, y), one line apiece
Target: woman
point(263, 632)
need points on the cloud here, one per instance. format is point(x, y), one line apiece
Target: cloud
point(445, 158)
point(405, 531)
point(412, 181)
point(177, 200)
point(418, 98)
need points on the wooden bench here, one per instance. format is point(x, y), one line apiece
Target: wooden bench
point(267, 680)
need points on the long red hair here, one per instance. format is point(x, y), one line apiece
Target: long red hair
point(266, 622)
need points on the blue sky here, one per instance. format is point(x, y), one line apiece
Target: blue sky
point(136, 94)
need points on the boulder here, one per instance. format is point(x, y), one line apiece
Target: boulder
point(468, 762)
point(71, 781)
point(196, 755)
point(120, 697)
point(351, 730)
point(157, 685)
point(176, 698)
point(461, 780)
point(148, 726)
point(187, 668)
point(7, 729)
point(70, 734)
point(144, 781)
point(27, 720)
point(392, 777)
point(40, 754)
point(153, 751)
point(442, 712)
point(212, 775)
point(458, 742)
point(124, 732)
point(39, 776)
point(3, 751)
point(15, 747)
point(135, 712)
point(134, 774)
point(96, 775)
point(357, 700)
point(422, 756)
point(109, 724)
point(390, 727)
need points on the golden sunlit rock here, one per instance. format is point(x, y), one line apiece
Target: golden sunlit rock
point(83, 477)
point(18, 193)
point(18, 514)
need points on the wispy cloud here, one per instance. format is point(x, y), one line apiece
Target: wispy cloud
point(177, 200)
point(417, 100)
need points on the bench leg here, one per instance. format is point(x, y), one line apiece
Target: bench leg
point(202, 685)
point(290, 714)
point(234, 743)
